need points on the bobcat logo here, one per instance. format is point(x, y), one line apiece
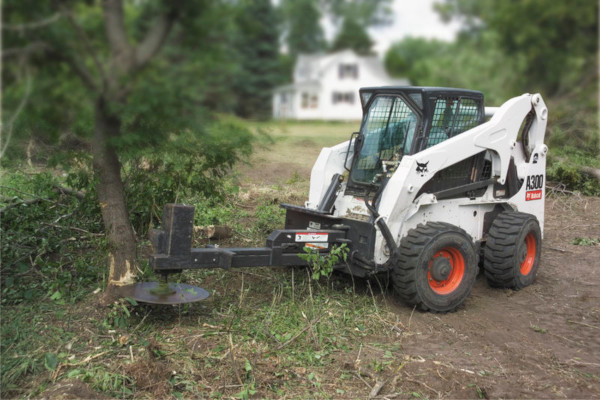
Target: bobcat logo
point(422, 168)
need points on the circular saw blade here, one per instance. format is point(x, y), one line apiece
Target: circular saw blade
point(149, 292)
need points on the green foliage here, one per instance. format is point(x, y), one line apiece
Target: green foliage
point(557, 40)
point(29, 344)
point(579, 241)
point(538, 329)
point(269, 217)
point(174, 94)
point(353, 35)
point(50, 361)
point(471, 63)
point(185, 166)
point(105, 381)
point(248, 390)
point(257, 45)
point(322, 264)
point(565, 167)
point(119, 313)
point(304, 32)
point(45, 239)
point(509, 48)
point(365, 12)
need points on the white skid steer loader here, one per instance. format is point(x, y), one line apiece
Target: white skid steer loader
point(420, 192)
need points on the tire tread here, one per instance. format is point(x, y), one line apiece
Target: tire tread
point(500, 249)
point(411, 247)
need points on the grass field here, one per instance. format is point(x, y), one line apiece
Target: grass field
point(289, 149)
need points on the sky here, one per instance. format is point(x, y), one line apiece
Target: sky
point(411, 18)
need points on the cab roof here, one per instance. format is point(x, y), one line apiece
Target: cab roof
point(426, 92)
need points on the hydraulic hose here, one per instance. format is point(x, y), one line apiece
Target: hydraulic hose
point(385, 230)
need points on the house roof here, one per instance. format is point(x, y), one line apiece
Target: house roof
point(310, 68)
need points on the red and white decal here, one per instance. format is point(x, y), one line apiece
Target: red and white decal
point(317, 245)
point(533, 195)
point(533, 187)
point(311, 237)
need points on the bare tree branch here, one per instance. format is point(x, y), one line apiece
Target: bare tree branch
point(87, 44)
point(14, 117)
point(115, 28)
point(31, 25)
point(154, 39)
point(30, 48)
point(79, 68)
point(81, 71)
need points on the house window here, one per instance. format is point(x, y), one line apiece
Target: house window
point(348, 71)
point(347, 97)
point(310, 100)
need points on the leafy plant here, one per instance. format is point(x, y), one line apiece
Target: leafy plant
point(44, 240)
point(322, 264)
point(119, 313)
point(566, 165)
point(580, 241)
point(538, 329)
point(268, 218)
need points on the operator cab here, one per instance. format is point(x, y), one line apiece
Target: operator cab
point(400, 121)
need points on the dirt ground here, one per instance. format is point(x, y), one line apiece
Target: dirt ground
point(540, 342)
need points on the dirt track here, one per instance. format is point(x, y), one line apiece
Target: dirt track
point(540, 342)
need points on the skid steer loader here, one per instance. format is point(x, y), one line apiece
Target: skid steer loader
point(424, 189)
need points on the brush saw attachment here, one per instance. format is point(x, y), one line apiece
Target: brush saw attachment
point(163, 292)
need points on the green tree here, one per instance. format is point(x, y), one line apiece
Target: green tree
point(552, 48)
point(304, 33)
point(409, 58)
point(258, 49)
point(364, 12)
point(124, 75)
point(356, 16)
point(556, 40)
point(471, 62)
point(353, 35)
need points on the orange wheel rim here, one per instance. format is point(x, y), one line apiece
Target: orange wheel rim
point(446, 270)
point(528, 254)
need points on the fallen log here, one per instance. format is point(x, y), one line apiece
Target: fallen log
point(594, 172)
point(214, 231)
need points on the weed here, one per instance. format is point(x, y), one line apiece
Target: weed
point(538, 329)
point(103, 380)
point(565, 166)
point(45, 241)
point(119, 313)
point(248, 391)
point(295, 178)
point(579, 241)
point(268, 218)
point(322, 265)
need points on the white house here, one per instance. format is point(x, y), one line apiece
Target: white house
point(326, 86)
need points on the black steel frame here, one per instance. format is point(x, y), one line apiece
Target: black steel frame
point(173, 246)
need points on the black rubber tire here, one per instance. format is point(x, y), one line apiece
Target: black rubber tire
point(411, 274)
point(506, 250)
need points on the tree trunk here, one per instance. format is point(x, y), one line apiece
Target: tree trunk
point(119, 232)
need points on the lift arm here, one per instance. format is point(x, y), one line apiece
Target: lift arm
point(172, 246)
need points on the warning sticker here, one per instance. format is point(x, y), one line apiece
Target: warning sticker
point(317, 245)
point(311, 237)
point(533, 195)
